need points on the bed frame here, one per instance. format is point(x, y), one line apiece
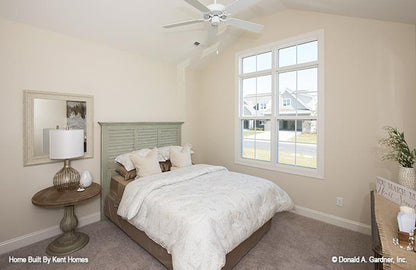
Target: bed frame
point(118, 138)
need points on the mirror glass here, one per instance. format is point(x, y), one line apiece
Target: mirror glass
point(46, 111)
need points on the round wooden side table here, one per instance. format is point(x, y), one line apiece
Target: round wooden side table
point(71, 240)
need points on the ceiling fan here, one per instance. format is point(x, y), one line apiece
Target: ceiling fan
point(217, 14)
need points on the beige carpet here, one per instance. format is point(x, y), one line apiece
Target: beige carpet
point(293, 242)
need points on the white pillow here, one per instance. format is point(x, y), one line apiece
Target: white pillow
point(125, 160)
point(146, 165)
point(181, 158)
point(165, 151)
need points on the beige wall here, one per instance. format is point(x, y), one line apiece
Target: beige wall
point(125, 87)
point(369, 83)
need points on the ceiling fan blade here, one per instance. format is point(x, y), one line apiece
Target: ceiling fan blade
point(246, 25)
point(211, 49)
point(198, 5)
point(183, 23)
point(238, 5)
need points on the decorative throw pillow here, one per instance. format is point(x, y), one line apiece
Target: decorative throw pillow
point(146, 165)
point(125, 160)
point(181, 158)
point(127, 175)
point(165, 151)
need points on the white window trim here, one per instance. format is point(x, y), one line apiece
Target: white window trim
point(319, 172)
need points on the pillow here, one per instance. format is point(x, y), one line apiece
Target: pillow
point(165, 166)
point(128, 175)
point(125, 160)
point(146, 165)
point(165, 151)
point(181, 158)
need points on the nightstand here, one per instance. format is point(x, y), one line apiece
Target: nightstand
point(71, 240)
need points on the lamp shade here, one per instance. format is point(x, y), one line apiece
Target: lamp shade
point(66, 144)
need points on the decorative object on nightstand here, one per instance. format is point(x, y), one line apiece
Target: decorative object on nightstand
point(71, 240)
point(66, 144)
point(398, 150)
point(85, 181)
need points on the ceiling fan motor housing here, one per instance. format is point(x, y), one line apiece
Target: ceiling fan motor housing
point(216, 15)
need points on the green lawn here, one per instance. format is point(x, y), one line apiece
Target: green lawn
point(249, 132)
point(284, 157)
point(305, 138)
point(301, 159)
point(262, 154)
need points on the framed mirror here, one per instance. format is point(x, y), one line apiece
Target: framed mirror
point(47, 110)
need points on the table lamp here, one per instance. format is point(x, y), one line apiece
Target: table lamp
point(66, 144)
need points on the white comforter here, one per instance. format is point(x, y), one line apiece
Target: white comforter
point(202, 212)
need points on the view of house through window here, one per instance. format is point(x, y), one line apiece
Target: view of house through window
point(278, 112)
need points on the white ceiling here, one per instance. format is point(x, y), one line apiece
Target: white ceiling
point(136, 25)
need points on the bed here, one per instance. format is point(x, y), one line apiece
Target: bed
point(118, 138)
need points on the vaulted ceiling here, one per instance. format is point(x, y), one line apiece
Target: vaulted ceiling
point(136, 25)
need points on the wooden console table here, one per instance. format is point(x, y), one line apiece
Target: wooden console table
point(71, 240)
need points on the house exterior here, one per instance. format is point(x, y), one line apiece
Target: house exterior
point(291, 103)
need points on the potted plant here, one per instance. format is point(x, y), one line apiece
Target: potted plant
point(398, 150)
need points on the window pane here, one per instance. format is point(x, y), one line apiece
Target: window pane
point(287, 93)
point(307, 133)
point(308, 52)
point(286, 152)
point(287, 56)
point(264, 84)
point(263, 139)
point(249, 64)
point(306, 155)
point(264, 61)
point(286, 130)
point(308, 79)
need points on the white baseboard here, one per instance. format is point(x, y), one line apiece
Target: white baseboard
point(34, 237)
point(334, 220)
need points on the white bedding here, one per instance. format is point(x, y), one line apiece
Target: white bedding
point(201, 212)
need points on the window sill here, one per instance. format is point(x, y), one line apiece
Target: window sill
point(307, 172)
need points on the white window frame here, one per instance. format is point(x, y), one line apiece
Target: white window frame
point(273, 164)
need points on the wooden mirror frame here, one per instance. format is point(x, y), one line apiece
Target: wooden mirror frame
point(29, 157)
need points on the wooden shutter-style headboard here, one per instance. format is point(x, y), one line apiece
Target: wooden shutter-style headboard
point(122, 137)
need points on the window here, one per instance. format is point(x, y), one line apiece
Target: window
point(280, 106)
point(286, 102)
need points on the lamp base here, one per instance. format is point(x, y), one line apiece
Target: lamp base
point(67, 178)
